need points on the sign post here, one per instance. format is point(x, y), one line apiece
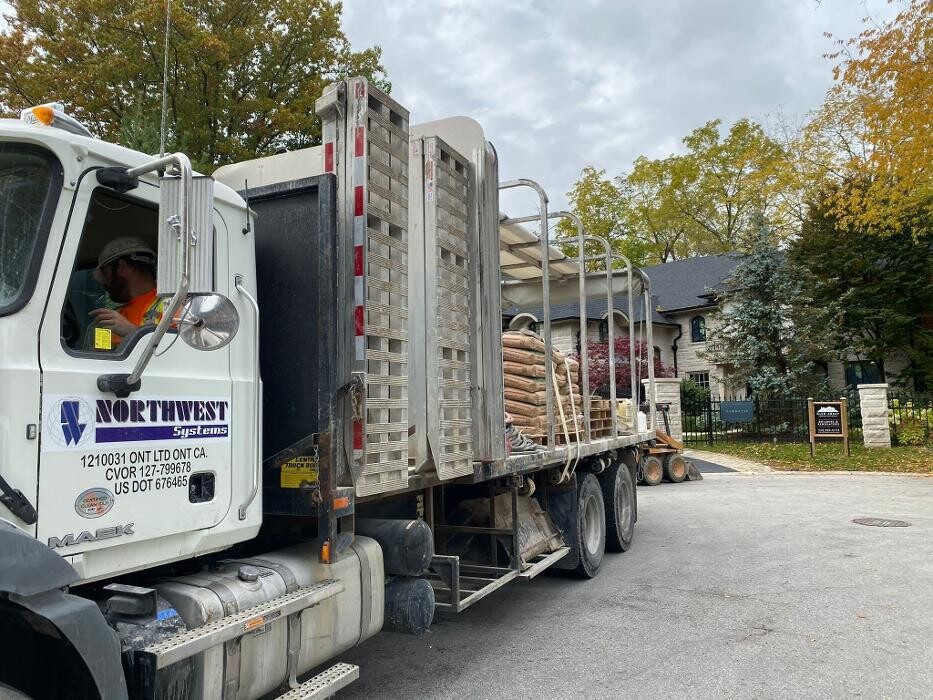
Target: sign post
point(828, 419)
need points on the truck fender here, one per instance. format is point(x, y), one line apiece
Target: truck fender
point(34, 578)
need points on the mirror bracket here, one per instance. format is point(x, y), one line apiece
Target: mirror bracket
point(118, 385)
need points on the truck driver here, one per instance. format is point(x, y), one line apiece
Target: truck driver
point(126, 269)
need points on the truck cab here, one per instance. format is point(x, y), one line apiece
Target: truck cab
point(116, 483)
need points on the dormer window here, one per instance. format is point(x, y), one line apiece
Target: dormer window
point(698, 329)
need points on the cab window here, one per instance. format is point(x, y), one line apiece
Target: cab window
point(111, 298)
point(30, 181)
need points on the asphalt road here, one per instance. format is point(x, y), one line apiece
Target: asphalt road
point(738, 586)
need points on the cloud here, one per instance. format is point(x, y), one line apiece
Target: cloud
point(558, 86)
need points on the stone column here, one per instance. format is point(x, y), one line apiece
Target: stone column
point(667, 390)
point(873, 402)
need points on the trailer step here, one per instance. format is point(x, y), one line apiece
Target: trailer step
point(325, 684)
point(191, 642)
point(545, 562)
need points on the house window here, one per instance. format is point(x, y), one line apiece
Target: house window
point(701, 379)
point(657, 354)
point(698, 329)
point(604, 331)
point(862, 373)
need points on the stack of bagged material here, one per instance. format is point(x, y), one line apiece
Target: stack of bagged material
point(525, 387)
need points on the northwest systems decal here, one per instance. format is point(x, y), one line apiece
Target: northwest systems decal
point(76, 422)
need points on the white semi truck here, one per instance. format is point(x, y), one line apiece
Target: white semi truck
point(325, 452)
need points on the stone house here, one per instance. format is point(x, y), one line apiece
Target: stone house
point(685, 317)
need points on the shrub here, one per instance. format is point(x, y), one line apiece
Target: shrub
point(911, 432)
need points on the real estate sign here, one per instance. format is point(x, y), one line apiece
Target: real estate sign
point(828, 419)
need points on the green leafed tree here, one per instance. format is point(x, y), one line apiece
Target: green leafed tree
point(601, 205)
point(770, 334)
point(243, 74)
point(700, 202)
point(881, 286)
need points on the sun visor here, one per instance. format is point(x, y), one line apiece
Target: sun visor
point(528, 293)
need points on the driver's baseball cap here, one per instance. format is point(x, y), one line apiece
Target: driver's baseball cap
point(126, 247)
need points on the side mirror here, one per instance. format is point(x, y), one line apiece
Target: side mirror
point(208, 322)
point(200, 243)
point(186, 252)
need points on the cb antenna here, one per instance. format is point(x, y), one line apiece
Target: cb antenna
point(168, 28)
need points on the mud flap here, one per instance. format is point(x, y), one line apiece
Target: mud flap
point(32, 577)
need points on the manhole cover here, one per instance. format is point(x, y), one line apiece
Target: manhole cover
point(881, 522)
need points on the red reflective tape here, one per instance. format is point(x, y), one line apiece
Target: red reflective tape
point(358, 200)
point(358, 142)
point(358, 260)
point(358, 320)
point(357, 435)
point(329, 157)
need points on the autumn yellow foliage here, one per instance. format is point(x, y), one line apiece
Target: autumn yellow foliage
point(873, 136)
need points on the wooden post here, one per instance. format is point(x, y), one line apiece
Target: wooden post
point(811, 425)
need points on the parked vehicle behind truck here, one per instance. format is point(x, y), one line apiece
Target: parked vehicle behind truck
point(324, 454)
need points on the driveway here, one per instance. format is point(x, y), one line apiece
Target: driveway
point(738, 586)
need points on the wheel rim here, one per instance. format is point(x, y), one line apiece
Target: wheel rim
point(653, 471)
point(624, 503)
point(591, 525)
point(678, 468)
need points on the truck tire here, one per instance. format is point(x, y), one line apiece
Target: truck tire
point(651, 470)
point(590, 527)
point(8, 692)
point(619, 503)
point(675, 467)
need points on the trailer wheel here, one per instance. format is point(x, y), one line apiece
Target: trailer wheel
point(675, 468)
point(619, 503)
point(591, 527)
point(651, 470)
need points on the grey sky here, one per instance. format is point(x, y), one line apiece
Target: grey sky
point(561, 85)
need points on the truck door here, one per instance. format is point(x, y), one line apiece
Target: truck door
point(116, 471)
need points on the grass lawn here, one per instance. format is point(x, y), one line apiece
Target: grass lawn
point(829, 456)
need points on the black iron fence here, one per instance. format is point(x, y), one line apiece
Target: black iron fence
point(711, 420)
point(910, 418)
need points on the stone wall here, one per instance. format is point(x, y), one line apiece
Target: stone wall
point(873, 400)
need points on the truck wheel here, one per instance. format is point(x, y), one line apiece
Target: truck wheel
point(591, 527)
point(8, 692)
point(675, 468)
point(619, 503)
point(652, 471)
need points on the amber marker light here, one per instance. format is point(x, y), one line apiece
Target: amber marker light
point(44, 114)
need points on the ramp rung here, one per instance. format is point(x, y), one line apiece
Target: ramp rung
point(537, 567)
point(195, 641)
point(325, 684)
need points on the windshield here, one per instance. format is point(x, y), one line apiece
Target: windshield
point(29, 185)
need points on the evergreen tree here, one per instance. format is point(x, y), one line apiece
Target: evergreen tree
point(768, 338)
point(882, 288)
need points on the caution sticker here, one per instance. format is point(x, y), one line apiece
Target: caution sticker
point(103, 339)
point(298, 472)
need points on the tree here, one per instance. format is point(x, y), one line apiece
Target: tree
point(881, 287)
point(770, 332)
point(721, 184)
point(243, 74)
point(600, 205)
point(872, 138)
point(598, 356)
point(697, 203)
point(650, 209)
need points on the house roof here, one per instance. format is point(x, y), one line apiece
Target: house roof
point(686, 284)
point(678, 285)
